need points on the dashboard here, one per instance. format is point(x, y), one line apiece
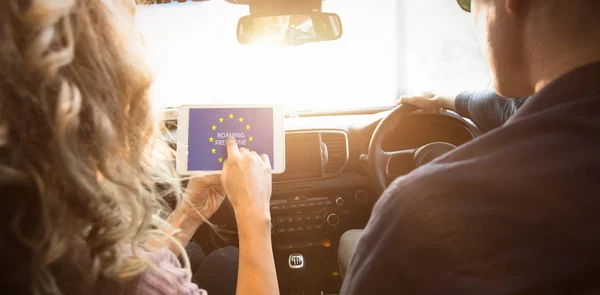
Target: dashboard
point(314, 154)
point(326, 188)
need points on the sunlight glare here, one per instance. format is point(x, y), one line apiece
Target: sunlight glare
point(193, 50)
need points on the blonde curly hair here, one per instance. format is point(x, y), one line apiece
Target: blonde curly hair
point(76, 124)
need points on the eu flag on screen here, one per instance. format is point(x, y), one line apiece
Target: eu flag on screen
point(209, 129)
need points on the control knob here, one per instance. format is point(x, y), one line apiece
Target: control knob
point(333, 220)
point(361, 196)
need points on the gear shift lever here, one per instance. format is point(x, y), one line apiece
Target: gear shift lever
point(300, 274)
point(296, 261)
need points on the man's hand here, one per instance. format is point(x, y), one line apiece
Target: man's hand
point(206, 194)
point(429, 101)
point(247, 181)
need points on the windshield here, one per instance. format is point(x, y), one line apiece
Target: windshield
point(387, 49)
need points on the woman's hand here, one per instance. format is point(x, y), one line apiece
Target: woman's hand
point(430, 101)
point(206, 194)
point(247, 181)
point(203, 197)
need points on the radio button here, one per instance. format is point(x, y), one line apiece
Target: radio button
point(361, 196)
point(297, 198)
point(333, 220)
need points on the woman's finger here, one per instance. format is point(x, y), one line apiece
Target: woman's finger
point(232, 148)
point(265, 159)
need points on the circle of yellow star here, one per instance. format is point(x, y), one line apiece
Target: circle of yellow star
point(211, 139)
point(230, 116)
point(214, 127)
point(214, 151)
point(220, 160)
point(250, 139)
point(248, 127)
point(241, 120)
point(220, 120)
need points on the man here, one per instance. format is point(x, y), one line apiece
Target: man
point(517, 210)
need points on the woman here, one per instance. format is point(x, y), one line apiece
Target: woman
point(80, 162)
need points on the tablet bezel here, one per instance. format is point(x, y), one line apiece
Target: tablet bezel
point(183, 134)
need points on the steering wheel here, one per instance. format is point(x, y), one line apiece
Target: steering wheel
point(378, 159)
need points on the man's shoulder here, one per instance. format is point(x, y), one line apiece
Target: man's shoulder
point(477, 207)
point(548, 143)
point(538, 159)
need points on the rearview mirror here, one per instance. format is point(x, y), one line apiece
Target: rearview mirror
point(289, 29)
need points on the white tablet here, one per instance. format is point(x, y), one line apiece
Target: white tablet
point(202, 131)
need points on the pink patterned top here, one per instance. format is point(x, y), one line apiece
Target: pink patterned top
point(153, 283)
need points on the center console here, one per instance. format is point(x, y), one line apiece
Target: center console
point(308, 227)
point(314, 202)
point(313, 215)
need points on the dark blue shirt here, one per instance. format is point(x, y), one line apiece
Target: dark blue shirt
point(516, 211)
point(487, 109)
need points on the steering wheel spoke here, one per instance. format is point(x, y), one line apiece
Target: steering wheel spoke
point(393, 154)
point(391, 158)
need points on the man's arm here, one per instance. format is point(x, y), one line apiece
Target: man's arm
point(486, 108)
point(376, 266)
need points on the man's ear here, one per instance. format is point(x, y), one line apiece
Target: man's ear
point(513, 6)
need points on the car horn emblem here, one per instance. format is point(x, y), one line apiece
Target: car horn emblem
point(296, 261)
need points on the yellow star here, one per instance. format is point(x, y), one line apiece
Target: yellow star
point(213, 151)
point(241, 120)
point(214, 127)
point(220, 120)
point(230, 116)
point(250, 139)
point(211, 139)
point(220, 160)
point(248, 127)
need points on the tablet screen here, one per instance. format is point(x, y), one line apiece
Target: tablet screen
point(209, 129)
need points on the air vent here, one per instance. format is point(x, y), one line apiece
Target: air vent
point(337, 152)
